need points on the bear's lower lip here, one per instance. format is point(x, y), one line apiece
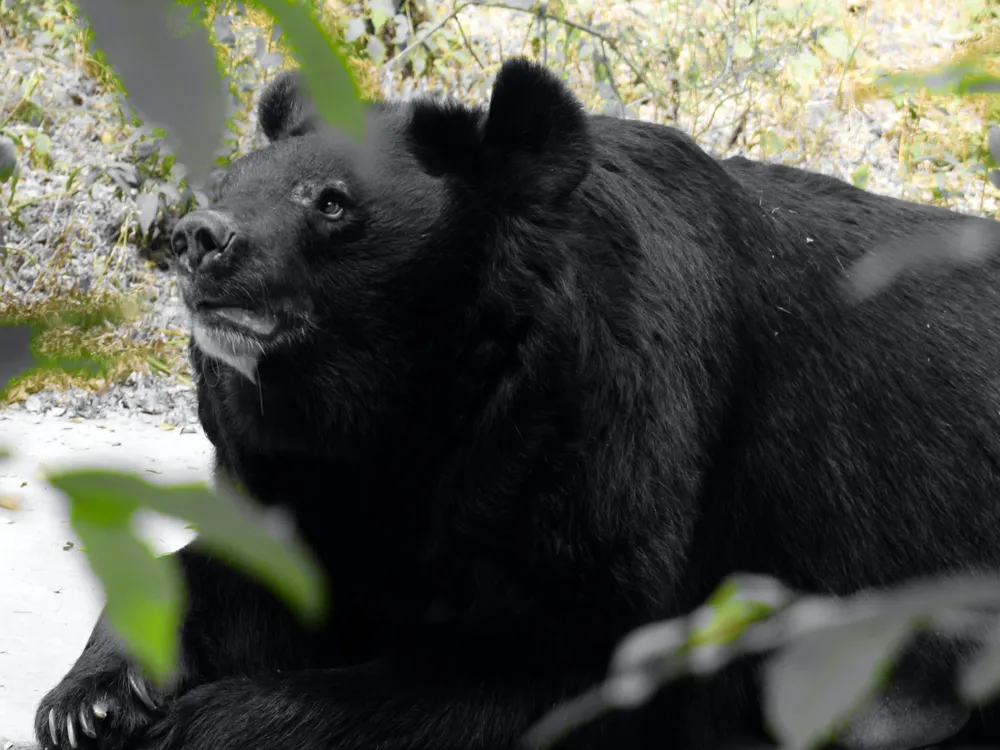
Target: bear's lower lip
point(250, 320)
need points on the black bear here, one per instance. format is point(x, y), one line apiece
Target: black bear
point(528, 378)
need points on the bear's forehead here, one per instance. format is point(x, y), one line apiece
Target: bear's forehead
point(307, 161)
point(380, 172)
point(303, 157)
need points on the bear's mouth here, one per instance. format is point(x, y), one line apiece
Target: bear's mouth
point(243, 319)
point(238, 336)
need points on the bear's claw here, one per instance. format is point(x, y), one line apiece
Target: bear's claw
point(81, 711)
point(84, 719)
point(139, 688)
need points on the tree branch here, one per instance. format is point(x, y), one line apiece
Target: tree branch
point(540, 13)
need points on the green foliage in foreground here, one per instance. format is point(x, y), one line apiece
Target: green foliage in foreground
point(169, 68)
point(828, 654)
point(145, 593)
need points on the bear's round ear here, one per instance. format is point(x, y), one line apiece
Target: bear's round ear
point(284, 110)
point(536, 133)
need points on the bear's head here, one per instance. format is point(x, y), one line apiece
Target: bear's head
point(377, 268)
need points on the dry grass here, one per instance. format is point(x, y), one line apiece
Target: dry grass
point(751, 78)
point(938, 136)
point(78, 343)
point(333, 19)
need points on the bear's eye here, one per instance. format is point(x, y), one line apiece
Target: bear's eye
point(331, 205)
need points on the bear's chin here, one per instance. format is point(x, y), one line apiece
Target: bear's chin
point(238, 345)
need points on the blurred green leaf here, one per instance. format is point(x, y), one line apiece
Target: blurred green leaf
point(775, 142)
point(819, 677)
point(167, 64)
point(979, 679)
point(805, 68)
point(740, 601)
point(993, 143)
point(375, 49)
point(8, 158)
point(813, 683)
point(355, 29)
point(742, 49)
point(43, 145)
point(961, 79)
point(381, 11)
point(836, 44)
point(144, 593)
point(229, 526)
point(331, 86)
point(16, 356)
point(861, 175)
point(980, 83)
point(927, 596)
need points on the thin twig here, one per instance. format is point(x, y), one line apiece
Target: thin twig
point(612, 42)
point(468, 43)
point(527, 34)
point(540, 15)
point(26, 96)
point(453, 13)
point(544, 24)
point(611, 79)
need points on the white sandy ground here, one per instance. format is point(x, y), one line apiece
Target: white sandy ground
point(49, 599)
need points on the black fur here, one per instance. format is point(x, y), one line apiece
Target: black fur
point(283, 110)
point(547, 378)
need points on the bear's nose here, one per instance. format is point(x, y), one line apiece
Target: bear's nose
point(201, 234)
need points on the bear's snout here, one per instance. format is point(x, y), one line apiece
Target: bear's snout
point(201, 236)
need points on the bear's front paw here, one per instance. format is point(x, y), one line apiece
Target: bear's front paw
point(96, 709)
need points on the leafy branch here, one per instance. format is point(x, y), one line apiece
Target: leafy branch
point(828, 655)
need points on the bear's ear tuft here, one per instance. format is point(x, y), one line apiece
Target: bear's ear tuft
point(284, 109)
point(536, 135)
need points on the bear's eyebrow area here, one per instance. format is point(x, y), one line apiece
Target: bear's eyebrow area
point(308, 191)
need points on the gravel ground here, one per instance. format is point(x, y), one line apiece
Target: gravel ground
point(82, 231)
